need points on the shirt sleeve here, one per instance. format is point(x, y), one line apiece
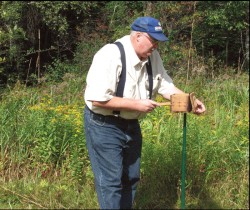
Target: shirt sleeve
point(103, 74)
point(165, 82)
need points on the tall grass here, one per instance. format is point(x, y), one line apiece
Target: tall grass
point(217, 150)
point(44, 162)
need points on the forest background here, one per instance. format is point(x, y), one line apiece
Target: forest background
point(46, 49)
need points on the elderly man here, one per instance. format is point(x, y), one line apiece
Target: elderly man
point(112, 130)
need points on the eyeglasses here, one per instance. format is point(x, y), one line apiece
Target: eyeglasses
point(151, 39)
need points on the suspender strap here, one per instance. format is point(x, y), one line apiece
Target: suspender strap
point(121, 84)
point(150, 77)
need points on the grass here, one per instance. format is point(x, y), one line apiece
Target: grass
point(47, 194)
point(44, 162)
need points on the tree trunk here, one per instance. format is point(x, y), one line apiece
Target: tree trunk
point(149, 8)
point(245, 64)
point(247, 51)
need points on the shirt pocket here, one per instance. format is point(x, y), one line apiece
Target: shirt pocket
point(156, 84)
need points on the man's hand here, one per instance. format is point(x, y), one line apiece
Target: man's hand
point(146, 105)
point(200, 107)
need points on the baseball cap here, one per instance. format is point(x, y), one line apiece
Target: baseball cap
point(151, 26)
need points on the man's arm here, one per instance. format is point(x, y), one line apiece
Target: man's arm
point(117, 103)
point(171, 91)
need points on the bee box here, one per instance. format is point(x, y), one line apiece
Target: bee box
point(181, 103)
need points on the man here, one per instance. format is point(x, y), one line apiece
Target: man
point(114, 141)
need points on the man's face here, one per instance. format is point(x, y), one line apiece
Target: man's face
point(146, 45)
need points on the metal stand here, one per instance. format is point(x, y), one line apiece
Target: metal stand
point(182, 103)
point(183, 164)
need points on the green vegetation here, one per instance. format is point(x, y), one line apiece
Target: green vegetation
point(45, 51)
point(211, 37)
point(44, 163)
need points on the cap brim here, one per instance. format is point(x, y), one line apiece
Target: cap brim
point(159, 36)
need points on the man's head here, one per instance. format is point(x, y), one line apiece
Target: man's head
point(151, 26)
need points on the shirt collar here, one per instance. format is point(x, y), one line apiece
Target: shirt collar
point(131, 51)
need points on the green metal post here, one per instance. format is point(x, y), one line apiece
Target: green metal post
point(183, 164)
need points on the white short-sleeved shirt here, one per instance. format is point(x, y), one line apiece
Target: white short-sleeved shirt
point(103, 77)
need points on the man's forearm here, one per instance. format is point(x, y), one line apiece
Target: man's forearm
point(117, 103)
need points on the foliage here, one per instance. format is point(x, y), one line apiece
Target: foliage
point(217, 150)
point(44, 30)
point(57, 70)
point(36, 128)
point(122, 12)
point(43, 153)
point(12, 38)
point(225, 23)
point(202, 35)
point(207, 34)
point(42, 146)
point(56, 14)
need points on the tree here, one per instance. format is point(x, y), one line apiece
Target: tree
point(223, 30)
point(39, 31)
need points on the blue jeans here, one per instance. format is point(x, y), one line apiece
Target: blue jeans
point(114, 147)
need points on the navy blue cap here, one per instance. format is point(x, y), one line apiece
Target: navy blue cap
point(151, 26)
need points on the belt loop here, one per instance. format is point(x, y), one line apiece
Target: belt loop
point(116, 114)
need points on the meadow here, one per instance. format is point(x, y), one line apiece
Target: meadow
point(44, 162)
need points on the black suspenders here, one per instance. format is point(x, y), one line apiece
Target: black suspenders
point(150, 77)
point(121, 84)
